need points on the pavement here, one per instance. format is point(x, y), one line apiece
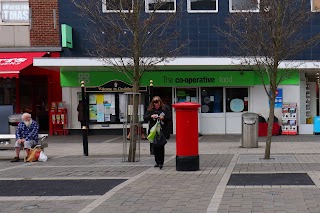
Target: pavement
point(147, 189)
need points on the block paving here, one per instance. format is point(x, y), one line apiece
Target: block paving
point(149, 189)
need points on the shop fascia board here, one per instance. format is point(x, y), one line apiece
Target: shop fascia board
point(183, 63)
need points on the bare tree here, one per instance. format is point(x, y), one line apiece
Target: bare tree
point(131, 40)
point(266, 35)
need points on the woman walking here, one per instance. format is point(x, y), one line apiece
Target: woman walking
point(157, 110)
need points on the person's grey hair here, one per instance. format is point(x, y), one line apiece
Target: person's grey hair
point(24, 115)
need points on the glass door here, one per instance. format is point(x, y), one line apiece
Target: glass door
point(236, 102)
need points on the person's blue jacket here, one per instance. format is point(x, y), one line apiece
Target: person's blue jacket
point(28, 133)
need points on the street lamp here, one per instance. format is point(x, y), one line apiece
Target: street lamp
point(150, 99)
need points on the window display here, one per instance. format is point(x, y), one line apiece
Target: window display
point(237, 99)
point(186, 95)
point(211, 99)
point(289, 119)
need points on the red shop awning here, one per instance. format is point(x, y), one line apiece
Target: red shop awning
point(12, 63)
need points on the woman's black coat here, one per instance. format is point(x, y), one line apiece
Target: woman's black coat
point(164, 124)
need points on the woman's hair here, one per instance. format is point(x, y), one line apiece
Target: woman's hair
point(154, 99)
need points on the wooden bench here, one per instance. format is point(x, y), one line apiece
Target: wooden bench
point(7, 145)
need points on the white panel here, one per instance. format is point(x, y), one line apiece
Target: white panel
point(303, 99)
point(69, 96)
point(261, 103)
point(21, 36)
point(7, 36)
point(313, 99)
point(213, 123)
point(306, 129)
point(233, 123)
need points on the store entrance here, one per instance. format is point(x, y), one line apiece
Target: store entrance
point(165, 93)
point(34, 99)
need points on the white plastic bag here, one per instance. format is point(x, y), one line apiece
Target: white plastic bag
point(42, 157)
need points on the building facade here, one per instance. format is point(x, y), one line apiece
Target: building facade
point(28, 30)
point(203, 73)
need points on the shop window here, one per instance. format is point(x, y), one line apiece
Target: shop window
point(186, 95)
point(7, 91)
point(163, 6)
point(244, 5)
point(315, 5)
point(14, 12)
point(112, 6)
point(237, 99)
point(202, 6)
point(211, 99)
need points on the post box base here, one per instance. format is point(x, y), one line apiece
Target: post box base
point(187, 163)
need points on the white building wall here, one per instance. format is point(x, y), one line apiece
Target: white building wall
point(260, 102)
point(69, 96)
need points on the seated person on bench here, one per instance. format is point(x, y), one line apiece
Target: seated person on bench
point(26, 135)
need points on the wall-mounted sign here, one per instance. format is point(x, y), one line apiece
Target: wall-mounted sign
point(279, 98)
point(114, 86)
point(14, 12)
point(66, 36)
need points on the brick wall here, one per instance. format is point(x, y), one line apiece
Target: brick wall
point(42, 31)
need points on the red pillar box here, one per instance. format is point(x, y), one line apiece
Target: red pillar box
point(187, 150)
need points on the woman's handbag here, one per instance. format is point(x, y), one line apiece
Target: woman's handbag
point(160, 139)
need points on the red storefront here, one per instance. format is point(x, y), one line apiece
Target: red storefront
point(28, 88)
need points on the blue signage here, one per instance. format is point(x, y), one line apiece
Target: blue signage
point(279, 99)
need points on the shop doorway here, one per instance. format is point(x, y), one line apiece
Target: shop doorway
point(34, 99)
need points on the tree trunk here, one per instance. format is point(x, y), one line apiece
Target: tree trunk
point(135, 125)
point(270, 122)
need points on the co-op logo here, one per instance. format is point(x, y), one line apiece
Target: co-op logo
point(84, 77)
point(195, 80)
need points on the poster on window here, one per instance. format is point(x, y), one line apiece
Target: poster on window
point(93, 112)
point(92, 99)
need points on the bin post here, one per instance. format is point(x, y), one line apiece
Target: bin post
point(187, 144)
point(250, 126)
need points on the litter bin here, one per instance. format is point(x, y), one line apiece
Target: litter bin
point(13, 125)
point(316, 125)
point(250, 130)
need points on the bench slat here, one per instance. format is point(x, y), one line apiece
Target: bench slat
point(13, 136)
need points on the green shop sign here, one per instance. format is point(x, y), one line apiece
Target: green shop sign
point(170, 78)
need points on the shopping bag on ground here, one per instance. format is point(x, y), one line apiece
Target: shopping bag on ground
point(33, 154)
point(42, 157)
point(153, 131)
